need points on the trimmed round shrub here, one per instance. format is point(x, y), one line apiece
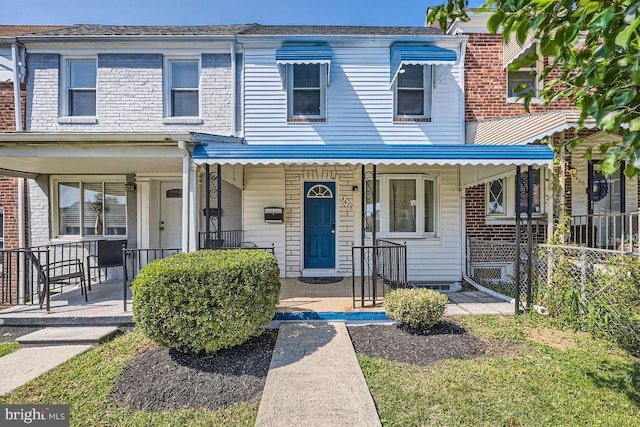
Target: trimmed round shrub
point(205, 301)
point(418, 309)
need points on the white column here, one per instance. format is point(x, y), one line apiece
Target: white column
point(185, 203)
point(193, 207)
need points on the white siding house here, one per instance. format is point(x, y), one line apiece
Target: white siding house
point(297, 122)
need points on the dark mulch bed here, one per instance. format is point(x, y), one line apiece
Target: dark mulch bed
point(10, 333)
point(168, 380)
point(446, 340)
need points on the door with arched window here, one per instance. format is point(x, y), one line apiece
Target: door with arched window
point(319, 225)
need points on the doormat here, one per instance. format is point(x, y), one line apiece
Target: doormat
point(320, 280)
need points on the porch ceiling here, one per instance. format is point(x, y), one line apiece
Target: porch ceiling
point(32, 154)
point(33, 166)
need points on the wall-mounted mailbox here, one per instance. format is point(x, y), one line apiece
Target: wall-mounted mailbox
point(273, 214)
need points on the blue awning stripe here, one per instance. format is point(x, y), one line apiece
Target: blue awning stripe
point(419, 55)
point(303, 54)
point(371, 154)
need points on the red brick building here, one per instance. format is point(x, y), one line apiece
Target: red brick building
point(494, 115)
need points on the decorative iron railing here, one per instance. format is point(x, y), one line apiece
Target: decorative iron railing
point(220, 239)
point(376, 269)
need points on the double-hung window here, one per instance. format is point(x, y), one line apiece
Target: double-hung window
point(79, 87)
point(182, 88)
point(90, 207)
point(525, 79)
point(413, 93)
point(501, 198)
point(406, 206)
point(306, 92)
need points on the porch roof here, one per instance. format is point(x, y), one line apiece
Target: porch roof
point(398, 154)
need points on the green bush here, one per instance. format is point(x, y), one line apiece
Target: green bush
point(207, 300)
point(418, 309)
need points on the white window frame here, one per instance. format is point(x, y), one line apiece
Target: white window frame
point(323, 94)
point(385, 215)
point(168, 112)
point(537, 84)
point(65, 70)
point(427, 88)
point(509, 196)
point(82, 179)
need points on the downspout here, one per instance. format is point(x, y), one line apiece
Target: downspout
point(186, 160)
point(463, 106)
point(17, 102)
point(234, 90)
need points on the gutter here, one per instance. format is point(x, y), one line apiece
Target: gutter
point(234, 89)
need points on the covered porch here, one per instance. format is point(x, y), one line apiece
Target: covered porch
point(105, 305)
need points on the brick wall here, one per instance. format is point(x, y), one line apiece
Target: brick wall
point(486, 82)
point(476, 226)
point(130, 95)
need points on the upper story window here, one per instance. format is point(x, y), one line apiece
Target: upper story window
point(182, 88)
point(79, 87)
point(409, 206)
point(524, 80)
point(413, 93)
point(500, 195)
point(306, 91)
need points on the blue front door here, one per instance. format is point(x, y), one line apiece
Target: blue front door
point(319, 225)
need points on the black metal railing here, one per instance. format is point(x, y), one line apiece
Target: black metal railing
point(134, 259)
point(220, 239)
point(381, 267)
point(22, 279)
point(32, 275)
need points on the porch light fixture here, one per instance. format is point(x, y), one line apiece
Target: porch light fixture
point(354, 188)
point(130, 187)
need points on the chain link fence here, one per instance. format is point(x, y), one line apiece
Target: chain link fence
point(593, 290)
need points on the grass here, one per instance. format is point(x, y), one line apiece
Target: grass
point(546, 377)
point(8, 347)
point(86, 381)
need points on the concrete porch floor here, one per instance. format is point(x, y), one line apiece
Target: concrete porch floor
point(105, 305)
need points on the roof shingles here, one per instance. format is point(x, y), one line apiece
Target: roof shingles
point(87, 30)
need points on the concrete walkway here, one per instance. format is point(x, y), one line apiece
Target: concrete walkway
point(43, 350)
point(314, 380)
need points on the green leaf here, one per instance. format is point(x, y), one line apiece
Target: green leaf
point(622, 39)
point(603, 19)
point(494, 21)
point(634, 125)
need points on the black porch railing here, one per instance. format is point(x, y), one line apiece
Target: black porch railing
point(220, 239)
point(134, 259)
point(382, 266)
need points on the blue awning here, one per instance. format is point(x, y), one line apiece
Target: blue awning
point(419, 55)
point(224, 153)
point(303, 54)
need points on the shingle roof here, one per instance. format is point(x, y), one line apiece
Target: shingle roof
point(325, 30)
point(84, 30)
point(87, 30)
point(17, 30)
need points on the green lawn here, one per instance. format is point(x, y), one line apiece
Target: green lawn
point(546, 377)
point(8, 347)
point(86, 381)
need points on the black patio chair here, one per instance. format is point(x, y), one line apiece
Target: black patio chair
point(109, 254)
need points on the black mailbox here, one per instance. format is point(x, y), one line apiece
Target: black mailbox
point(273, 214)
point(213, 212)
